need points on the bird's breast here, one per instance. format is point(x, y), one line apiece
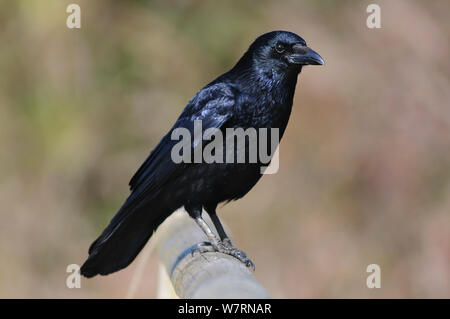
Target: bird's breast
point(265, 111)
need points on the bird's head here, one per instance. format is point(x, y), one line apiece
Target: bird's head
point(283, 51)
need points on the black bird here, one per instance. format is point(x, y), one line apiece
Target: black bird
point(256, 93)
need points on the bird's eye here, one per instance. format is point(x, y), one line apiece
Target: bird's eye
point(279, 47)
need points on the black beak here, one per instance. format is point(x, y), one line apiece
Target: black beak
point(304, 55)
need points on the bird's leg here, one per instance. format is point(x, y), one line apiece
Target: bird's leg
point(215, 244)
point(223, 236)
point(225, 240)
point(219, 245)
point(196, 213)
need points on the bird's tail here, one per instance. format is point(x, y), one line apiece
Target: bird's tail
point(124, 238)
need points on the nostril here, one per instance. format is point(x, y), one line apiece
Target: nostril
point(300, 48)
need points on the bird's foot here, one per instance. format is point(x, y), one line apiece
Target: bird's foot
point(227, 242)
point(224, 247)
point(239, 254)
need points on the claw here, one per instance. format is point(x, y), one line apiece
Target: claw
point(250, 264)
point(224, 247)
point(242, 256)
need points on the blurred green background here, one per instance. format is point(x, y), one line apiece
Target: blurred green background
point(364, 165)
